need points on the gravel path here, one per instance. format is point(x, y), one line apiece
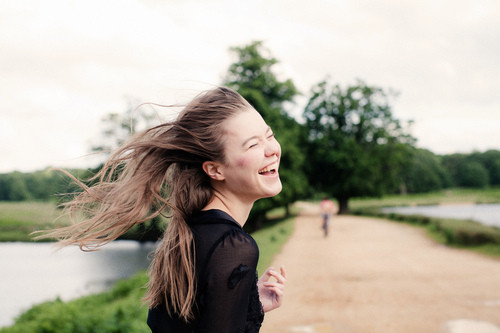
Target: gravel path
point(371, 275)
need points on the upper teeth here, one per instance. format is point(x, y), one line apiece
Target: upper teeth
point(267, 169)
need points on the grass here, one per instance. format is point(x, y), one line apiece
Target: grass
point(19, 219)
point(457, 195)
point(271, 239)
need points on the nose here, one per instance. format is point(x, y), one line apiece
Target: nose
point(273, 148)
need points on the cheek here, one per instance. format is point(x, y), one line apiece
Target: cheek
point(249, 159)
point(242, 162)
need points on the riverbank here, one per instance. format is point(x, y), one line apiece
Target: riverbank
point(33, 273)
point(465, 234)
point(372, 275)
point(443, 197)
point(462, 233)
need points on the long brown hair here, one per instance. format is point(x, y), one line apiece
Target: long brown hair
point(157, 170)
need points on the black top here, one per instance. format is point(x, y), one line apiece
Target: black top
point(227, 299)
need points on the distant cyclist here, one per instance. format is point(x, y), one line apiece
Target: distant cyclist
point(326, 206)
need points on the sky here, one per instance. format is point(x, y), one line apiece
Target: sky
point(65, 64)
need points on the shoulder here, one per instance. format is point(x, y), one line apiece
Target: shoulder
point(218, 238)
point(232, 259)
point(237, 242)
point(216, 229)
point(233, 248)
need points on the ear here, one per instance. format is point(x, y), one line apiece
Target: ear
point(213, 170)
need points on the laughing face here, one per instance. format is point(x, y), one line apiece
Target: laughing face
point(252, 155)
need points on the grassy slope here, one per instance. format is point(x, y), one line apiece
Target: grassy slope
point(19, 219)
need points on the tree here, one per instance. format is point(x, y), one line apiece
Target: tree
point(118, 127)
point(425, 173)
point(472, 170)
point(356, 146)
point(253, 77)
point(471, 173)
point(490, 160)
point(451, 163)
point(495, 172)
point(13, 187)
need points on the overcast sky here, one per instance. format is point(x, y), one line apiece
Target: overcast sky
point(65, 64)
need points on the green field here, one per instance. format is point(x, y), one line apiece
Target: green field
point(19, 219)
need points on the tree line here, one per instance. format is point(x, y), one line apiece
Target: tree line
point(42, 185)
point(346, 144)
point(426, 172)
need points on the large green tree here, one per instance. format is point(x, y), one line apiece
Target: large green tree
point(356, 146)
point(252, 75)
point(13, 187)
point(425, 173)
point(467, 170)
point(490, 160)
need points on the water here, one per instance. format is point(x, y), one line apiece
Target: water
point(32, 273)
point(488, 214)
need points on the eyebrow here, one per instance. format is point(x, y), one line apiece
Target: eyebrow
point(254, 137)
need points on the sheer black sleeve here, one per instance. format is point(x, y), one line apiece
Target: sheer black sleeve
point(228, 280)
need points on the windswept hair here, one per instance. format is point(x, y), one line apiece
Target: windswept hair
point(158, 171)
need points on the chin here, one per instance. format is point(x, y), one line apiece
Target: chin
point(274, 191)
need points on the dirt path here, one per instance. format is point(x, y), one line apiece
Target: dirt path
point(372, 275)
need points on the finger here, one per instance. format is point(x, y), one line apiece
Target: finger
point(267, 274)
point(275, 288)
point(283, 271)
point(274, 284)
point(279, 277)
point(277, 291)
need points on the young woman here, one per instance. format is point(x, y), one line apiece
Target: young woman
point(206, 169)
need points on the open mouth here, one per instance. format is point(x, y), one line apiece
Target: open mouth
point(269, 170)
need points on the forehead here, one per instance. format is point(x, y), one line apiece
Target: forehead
point(245, 124)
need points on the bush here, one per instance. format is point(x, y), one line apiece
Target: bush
point(467, 233)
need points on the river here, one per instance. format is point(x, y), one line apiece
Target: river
point(488, 214)
point(33, 272)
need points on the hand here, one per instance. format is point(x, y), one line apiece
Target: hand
point(271, 292)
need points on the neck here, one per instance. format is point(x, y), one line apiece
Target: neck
point(235, 208)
